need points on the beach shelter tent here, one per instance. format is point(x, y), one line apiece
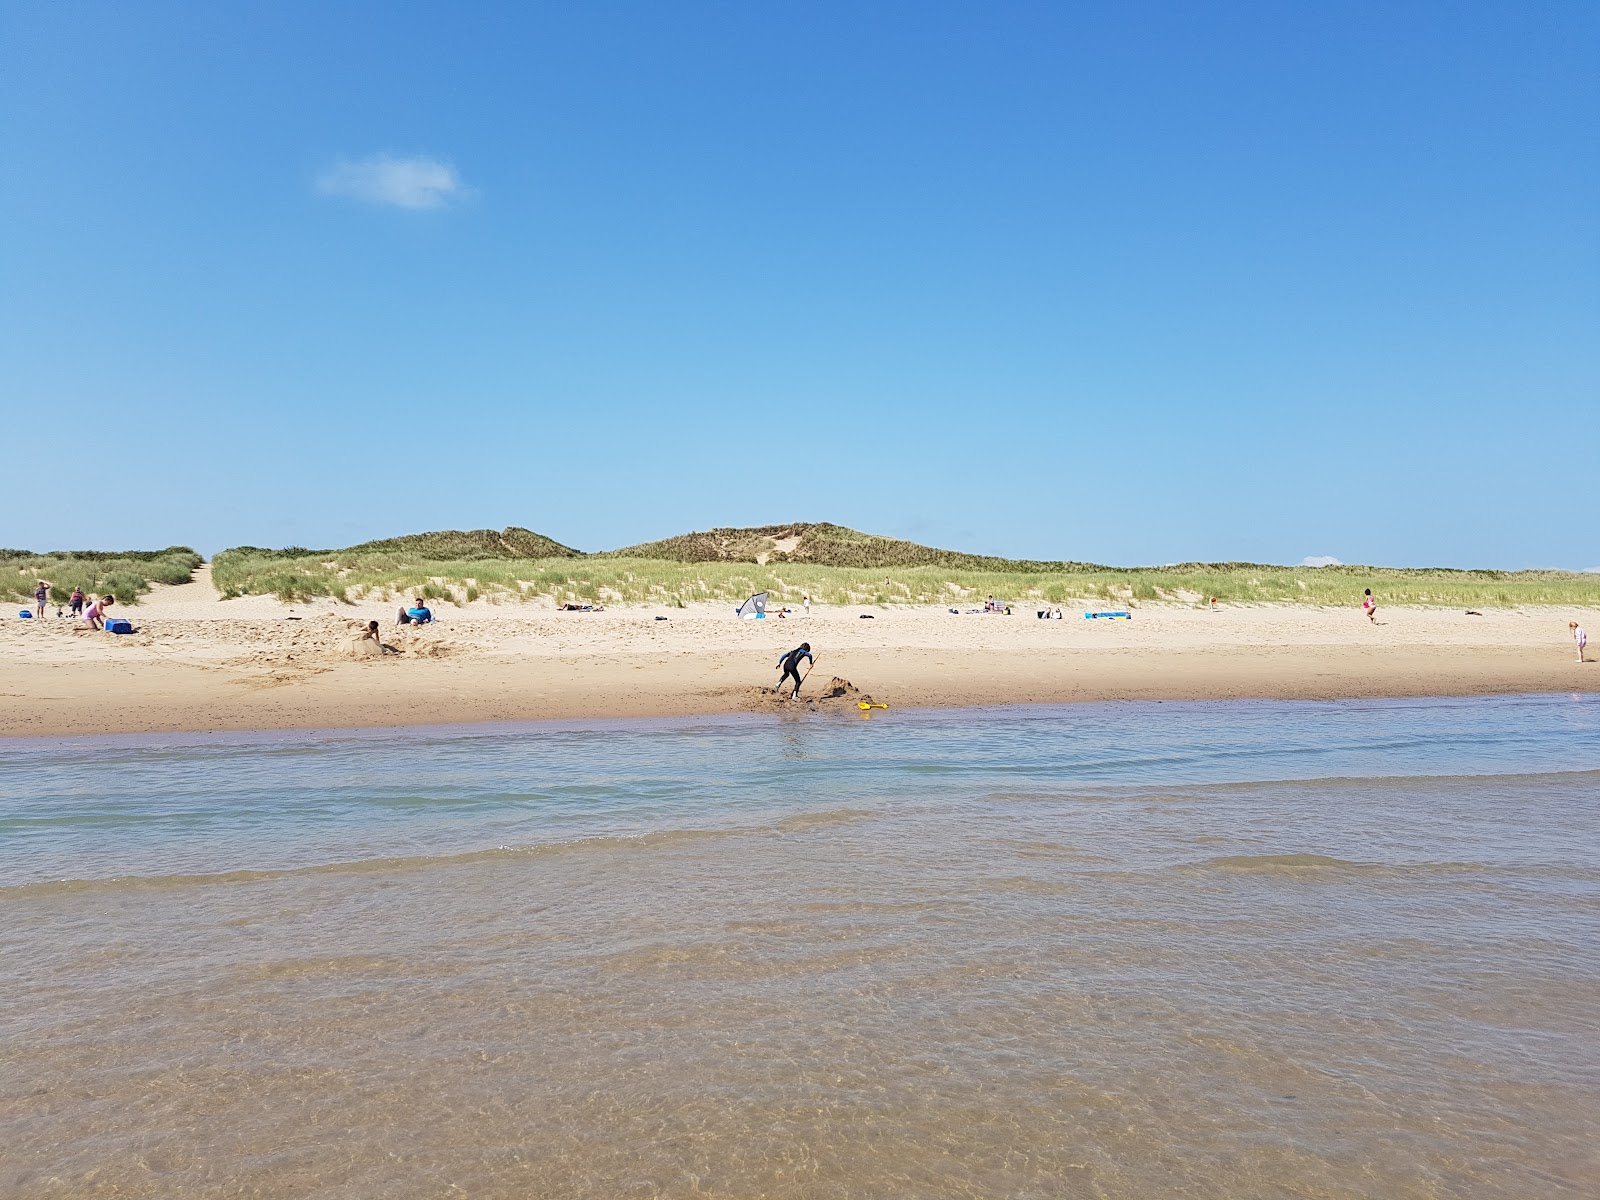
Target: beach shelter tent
point(754, 607)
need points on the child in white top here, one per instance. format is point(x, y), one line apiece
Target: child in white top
point(1579, 636)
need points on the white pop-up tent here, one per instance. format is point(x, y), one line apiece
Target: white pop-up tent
point(754, 607)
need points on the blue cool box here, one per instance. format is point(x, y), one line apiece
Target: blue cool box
point(119, 626)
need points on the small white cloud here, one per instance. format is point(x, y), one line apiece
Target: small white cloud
point(1320, 560)
point(1591, 570)
point(414, 181)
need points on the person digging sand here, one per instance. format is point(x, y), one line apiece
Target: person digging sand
point(371, 634)
point(789, 664)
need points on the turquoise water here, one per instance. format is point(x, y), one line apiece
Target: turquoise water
point(1327, 951)
point(155, 805)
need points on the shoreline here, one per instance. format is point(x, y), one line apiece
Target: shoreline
point(201, 664)
point(123, 739)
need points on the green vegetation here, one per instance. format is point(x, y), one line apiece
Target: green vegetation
point(126, 574)
point(392, 564)
point(833, 565)
point(825, 545)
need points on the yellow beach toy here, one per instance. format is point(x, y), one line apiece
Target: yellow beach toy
point(863, 705)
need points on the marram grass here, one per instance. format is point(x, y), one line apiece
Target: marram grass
point(362, 573)
point(126, 574)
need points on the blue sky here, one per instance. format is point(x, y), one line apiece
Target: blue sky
point(1128, 283)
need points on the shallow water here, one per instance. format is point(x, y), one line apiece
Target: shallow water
point(1225, 949)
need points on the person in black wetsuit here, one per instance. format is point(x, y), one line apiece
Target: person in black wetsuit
point(789, 664)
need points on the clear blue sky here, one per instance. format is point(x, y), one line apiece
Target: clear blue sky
point(1126, 282)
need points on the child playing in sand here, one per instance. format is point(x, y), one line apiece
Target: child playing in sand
point(1370, 607)
point(94, 615)
point(1579, 636)
point(789, 664)
point(370, 633)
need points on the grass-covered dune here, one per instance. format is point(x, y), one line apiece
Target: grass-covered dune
point(833, 565)
point(126, 574)
point(824, 545)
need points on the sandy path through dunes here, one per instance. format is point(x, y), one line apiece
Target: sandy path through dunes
point(201, 663)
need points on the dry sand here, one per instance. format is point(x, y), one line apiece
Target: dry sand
point(200, 663)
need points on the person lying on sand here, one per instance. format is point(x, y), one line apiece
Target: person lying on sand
point(789, 664)
point(94, 615)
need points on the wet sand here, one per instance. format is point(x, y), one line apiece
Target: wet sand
point(199, 663)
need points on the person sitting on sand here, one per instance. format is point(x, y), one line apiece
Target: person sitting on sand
point(41, 594)
point(418, 614)
point(789, 664)
point(1579, 636)
point(94, 615)
point(1370, 607)
point(76, 603)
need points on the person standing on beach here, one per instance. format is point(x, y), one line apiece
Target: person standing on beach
point(1579, 636)
point(76, 603)
point(789, 664)
point(806, 604)
point(41, 594)
point(1370, 607)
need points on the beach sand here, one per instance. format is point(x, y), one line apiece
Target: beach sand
point(201, 663)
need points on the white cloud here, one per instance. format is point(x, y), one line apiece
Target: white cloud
point(1320, 560)
point(413, 181)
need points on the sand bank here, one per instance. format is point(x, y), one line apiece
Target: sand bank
point(200, 663)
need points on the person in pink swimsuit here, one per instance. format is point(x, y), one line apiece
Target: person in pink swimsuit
point(1370, 607)
point(94, 615)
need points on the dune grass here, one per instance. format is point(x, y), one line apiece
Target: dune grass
point(125, 574)
point(365, 572)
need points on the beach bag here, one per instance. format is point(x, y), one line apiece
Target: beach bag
point(120, 625)
point(25, 614)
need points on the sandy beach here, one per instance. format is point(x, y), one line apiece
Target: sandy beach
point(202, 663)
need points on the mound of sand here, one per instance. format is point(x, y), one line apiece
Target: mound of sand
point(364, 647)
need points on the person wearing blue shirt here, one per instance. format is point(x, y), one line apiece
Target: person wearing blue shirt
point(418, 614)
point(789, 664)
